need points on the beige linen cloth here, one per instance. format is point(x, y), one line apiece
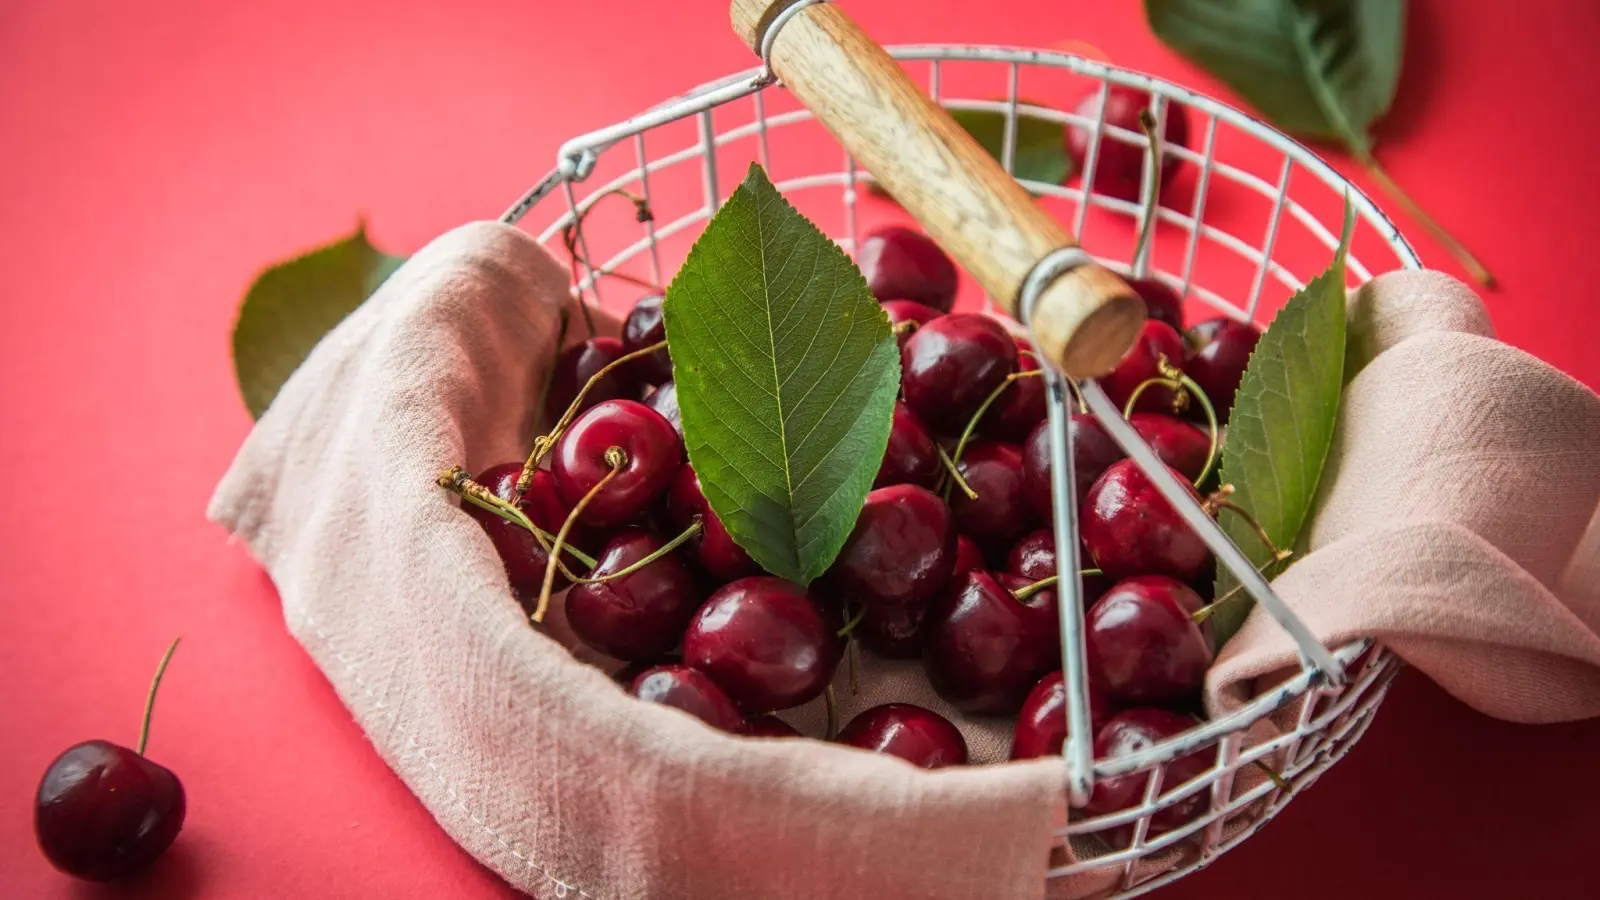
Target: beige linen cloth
point(1458, 523)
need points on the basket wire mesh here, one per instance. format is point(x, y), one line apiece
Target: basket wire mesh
point(1319, 712)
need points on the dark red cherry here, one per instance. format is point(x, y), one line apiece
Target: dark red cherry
point(900, 552)
point(1041, 727)
point(765, 641)
point(1034, 558)
point(1119, 169)
point(1178, 443)
point(1143, 646)
point(692, 691)
point(524, 557)
point(908, 311)
point(664, 400)
point(1093, 451)
point(1218, 364)
point(983, 648)
point(1161, 303)
point(640, 615)
point(902, 264)
point(576, 365)
point(713, 547)
point(1001, 512)
point(893, 632)
point(644, 327)
point(918, 736)
point(1020, 408)
point(1141, 363)
point(1130, 529)
point(1133, 731)
point(620, 431)
point(911, 457)
point(968, 557)
point(951, 364)
point(770, 727)
point(104, 811)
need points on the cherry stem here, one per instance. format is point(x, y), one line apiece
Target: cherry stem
point(855, 620)
point(850, 653)
point(1474, 268)
point(1210, 609)
point(678, 541)
point(550, 377)
point(1187, 387)
point(150, 699)
point(955, 476)
point(1028, 590)
point(983, 408)
point(617, 458)
point(904, 326)
point(832, 703)
point(544, 443)
point(458, 482)
point(1147, 124)
point(1220, 500)
point(1077, 394)
point(569, 238)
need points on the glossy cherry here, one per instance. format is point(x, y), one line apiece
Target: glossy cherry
point(576, 365)
point(1178, 443)
point(1130, 529)
point(1034, 558)
point(1041, 727)
point(1218, 363)
point(951, 364)
point(983, 648)
point(1142, 362)
point(1132, 731)
point(900, 552)
point(1001, 513)
point(910, 457)
point(770, 727)
point(893, 632)
point(690, 690)
point(640, 615)
point(521, 553)
point(1119, 166)
point(1161, 303)
point(713, 547)
point(103, 811)
point(1142, 644)
point(1021, 407)
point(766, 642)
point(1093, 451)
point(664, 400)
point(909, 311)
point(919, 736)
point(968, 557)
point(900, 263)
point(622, 431)
point(645, 326)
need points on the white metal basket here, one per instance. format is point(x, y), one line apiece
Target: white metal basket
point(682, 173)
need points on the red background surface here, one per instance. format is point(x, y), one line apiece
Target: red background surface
point(155, 156)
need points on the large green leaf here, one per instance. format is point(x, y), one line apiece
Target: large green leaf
point(1282, 423)
point(293, 304)
point(1041, 149)
point(787, 373)
point(1315, 68)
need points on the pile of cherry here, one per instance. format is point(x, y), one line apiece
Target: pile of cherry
point(951, 560)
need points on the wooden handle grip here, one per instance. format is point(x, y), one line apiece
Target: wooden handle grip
point(1085, 321)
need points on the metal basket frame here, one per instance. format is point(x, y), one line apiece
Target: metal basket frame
point(1335, 702)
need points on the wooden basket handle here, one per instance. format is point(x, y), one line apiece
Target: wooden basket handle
point(1085, 320)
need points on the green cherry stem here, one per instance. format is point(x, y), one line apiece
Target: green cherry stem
point(150, 699)
point(1028, 590)
point(1210, 609)
point(678, 541)
point(855, 620)
point(955, 475)
point(617, 458)
point(983, 409)
point(1147, 124)
point(457, 481)
point(544, 443)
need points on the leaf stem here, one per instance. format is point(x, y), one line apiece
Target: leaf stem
point(150, 698)
point(1475, 269)
point(544, 443)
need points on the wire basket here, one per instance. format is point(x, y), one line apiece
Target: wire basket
point(1256, 217)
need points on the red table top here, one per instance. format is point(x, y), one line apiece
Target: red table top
point(157, 155)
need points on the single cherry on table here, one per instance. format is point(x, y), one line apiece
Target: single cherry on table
point(919, 736)
point(103, 811)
